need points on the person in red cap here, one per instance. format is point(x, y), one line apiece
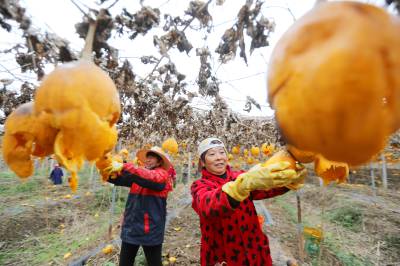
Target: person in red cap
point(145, 211)
point(223, 199)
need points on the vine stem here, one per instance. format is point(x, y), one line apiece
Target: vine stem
point(87, 50)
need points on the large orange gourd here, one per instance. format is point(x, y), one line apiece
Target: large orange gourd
point(26, 136)
point(18, 140)
point(330, 171)
point(301, 156)
point(82, 103)
point(334, 81)
point(74, 113)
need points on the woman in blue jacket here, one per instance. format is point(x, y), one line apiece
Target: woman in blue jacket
point(145, 211)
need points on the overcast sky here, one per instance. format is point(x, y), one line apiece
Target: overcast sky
point(239, 80)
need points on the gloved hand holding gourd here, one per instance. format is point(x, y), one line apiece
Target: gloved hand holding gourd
point(109, 166)
point(264, 178)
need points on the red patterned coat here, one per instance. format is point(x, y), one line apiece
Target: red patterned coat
point(231, 235)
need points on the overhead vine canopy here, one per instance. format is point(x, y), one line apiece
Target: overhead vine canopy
point(158, 104)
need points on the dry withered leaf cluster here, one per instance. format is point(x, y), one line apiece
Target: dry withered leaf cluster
point(9, 99)
point(174, 38)
point(208, 83)
point(11, 10)
point(257, 28)
point(139, 22)
point(249, 103)
point(199, 10)
point(394, 3)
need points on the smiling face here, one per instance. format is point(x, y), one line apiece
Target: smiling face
point(152, 161)
point(216, 160)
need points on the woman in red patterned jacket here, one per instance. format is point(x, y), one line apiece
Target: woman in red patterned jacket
point(145, 211)
point(223, 199)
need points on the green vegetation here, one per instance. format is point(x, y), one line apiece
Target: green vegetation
point(349, 217)
point(392, 243)
point(343, 216)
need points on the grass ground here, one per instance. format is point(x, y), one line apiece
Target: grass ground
point(41, 223)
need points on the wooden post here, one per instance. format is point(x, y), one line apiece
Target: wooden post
point(371, 169)
point(300, 228)
point(112, 208)
point(51, 164)
point(189, 167)
point(384, 172)
point(91, 183)
point(110, 220)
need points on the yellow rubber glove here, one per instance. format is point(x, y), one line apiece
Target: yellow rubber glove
point(109, 166)
point(298, 184)
point(264, 178)
point(302, 172)
point(114, 168)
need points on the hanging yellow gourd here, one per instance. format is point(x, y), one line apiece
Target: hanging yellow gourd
point(334, 81)
point(230, 157)
point(255, 151)
point(267, 149)
point(170, 145)
point(246, 153)
point(235, 150)
point(330, 171)
point(250, 160)
point(73, 115)
point(19, 139)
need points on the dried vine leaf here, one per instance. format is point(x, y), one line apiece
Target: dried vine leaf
point(174, 38)
point(257, 33)
point(140, 22)
point(9, 99)
point(249, 102)
point(395, 4)
point(173, 22)
point(233, 37)
point(11, 9)
point(208, 84)
point(149, 59)
point(199, 10)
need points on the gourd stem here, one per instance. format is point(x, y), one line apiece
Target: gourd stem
point(87, 50)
